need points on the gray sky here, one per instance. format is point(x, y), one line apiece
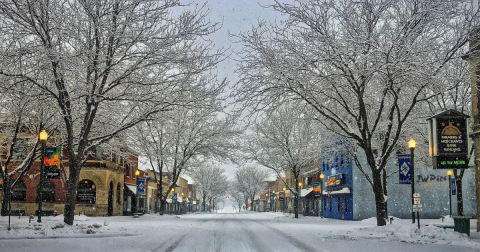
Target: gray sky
point(237, 16)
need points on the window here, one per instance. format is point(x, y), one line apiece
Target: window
point(19, 192)
point(98, 154)
point(120, 160)
point(112, 157)
point(86, 192)
point(330, 204)
point(48, 192)
point(346, 204)
point(118, 193)
point(133, 171)
point(338, 204)
point(127, 170)
point(341, 160)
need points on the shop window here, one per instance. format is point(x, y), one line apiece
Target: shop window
point(346, 204)
point(127, 170)
point(330, 204)
point(118, 194)
point(19, 192)
point(112, 157)
point(86, 192)
point(120, 160)
point(48, 192)
point(338, 204)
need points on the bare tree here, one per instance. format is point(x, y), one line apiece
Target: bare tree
point(210, 183)
point(285, 141)
point(250, 180)
point(363, 66)
point(105, 65)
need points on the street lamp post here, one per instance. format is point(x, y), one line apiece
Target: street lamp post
point(412, 144)
point(267, 198)
point(284, 199)
point(273, 203)
point(43, 138)
point(449, 173)
point(182, 205)
point(321, 194)
point(137, 173)
point(300, 197)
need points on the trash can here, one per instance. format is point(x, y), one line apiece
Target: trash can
point(461, 224)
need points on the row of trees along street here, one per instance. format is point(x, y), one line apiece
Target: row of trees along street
point(368, 70)
point(96, 69)
point(142, 74)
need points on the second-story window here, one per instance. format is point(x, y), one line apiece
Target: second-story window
point(127, 170)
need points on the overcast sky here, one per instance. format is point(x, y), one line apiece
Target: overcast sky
point(237, 16)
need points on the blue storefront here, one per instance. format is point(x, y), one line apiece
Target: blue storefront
point(337, 187)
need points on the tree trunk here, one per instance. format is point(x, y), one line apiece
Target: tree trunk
point(5, 197)
point(385, 192)
point(458, 181)
point(71, 194)
point(379, 198)
point(296, 200)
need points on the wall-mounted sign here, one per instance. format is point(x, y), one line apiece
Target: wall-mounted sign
point(334, 180)
point(448, 140)
point(404, 169)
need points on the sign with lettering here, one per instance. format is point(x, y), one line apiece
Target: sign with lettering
point(317, 188)
point(448, 140)
point(281, 196)
point(52, 172)
point(416, 198)
point(334, 180)
point(52, 157)
point(404, 169)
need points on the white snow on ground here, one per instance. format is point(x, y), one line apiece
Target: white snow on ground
point(310, 231)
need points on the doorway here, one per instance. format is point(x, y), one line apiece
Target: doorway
point(110, 199)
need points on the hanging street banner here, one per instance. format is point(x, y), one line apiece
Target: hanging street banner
point(271, 197)
point(141, 186)
point(449, 140)
point(52, 157)
point(174, 197)
point(317, 188)
point(51, 172)
point(454, 187)
point(281, 196)
point(404, 169)
point(1, 182)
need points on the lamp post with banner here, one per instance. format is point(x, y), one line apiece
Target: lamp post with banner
point(43, 138)
point(449, 173)
point(411, 145)
point(321, 194)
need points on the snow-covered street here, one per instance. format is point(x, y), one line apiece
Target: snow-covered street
point(244, 231)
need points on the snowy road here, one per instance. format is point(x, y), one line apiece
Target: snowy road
point(225, 232)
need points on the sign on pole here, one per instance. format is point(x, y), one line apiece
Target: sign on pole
point(454, 187)
point(174, 197)
point(281, 196)
point(404, 169)
point(417, 208)
point(416, 198)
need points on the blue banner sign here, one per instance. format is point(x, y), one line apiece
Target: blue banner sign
point(141, 186)
point(404, 169)
point(174, 197)
point(454, 187)
point(258, 201)
point(271, 197)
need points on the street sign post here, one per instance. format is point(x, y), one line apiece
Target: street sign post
point(417, 208)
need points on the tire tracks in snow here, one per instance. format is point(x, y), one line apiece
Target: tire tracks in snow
point(292, 240)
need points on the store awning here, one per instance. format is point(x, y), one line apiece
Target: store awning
point(132, 188)
point(345, 190)
point(304, 192)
